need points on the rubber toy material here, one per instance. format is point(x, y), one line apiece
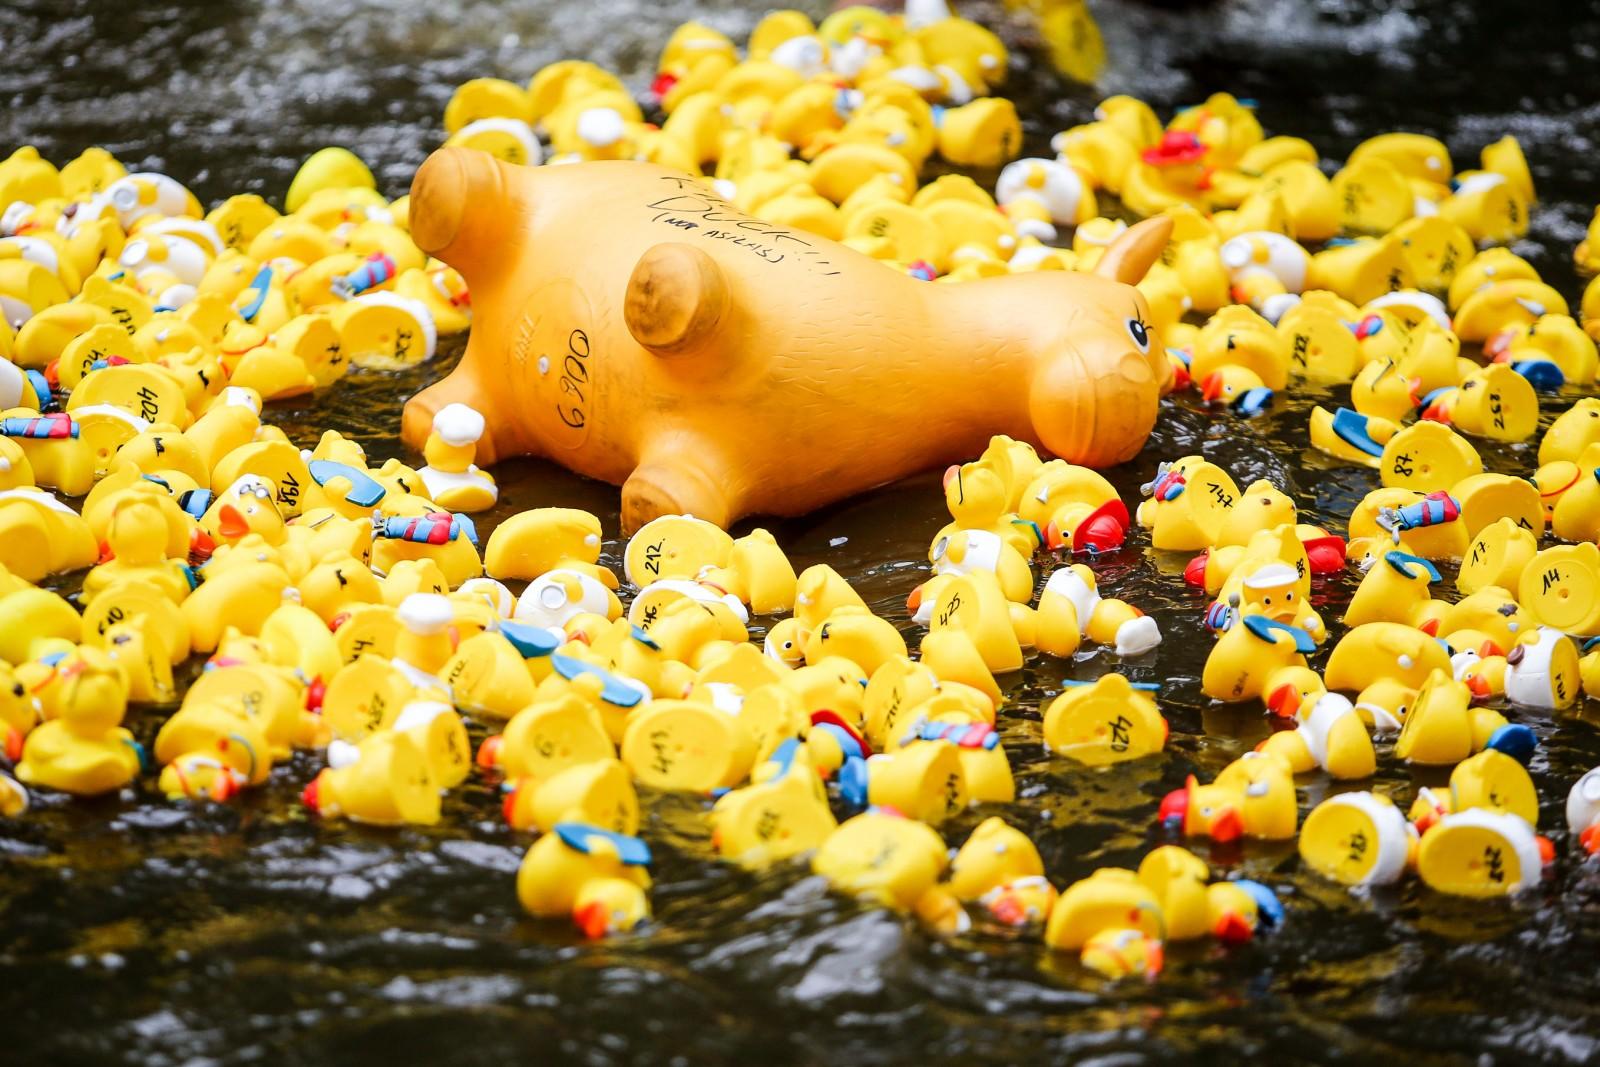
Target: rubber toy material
point(633, 326)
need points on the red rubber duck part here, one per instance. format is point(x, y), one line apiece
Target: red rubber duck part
point(508, 805)
point(489, 751)
point(832, 718)
point(311, 796)
point(1174, 810)
point(1176, 147)
point(1325, 554)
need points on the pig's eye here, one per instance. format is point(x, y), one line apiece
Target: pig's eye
point(1140, 333)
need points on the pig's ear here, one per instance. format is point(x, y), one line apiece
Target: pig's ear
point(462, 208)
point(675, 298)
point(1131, 255)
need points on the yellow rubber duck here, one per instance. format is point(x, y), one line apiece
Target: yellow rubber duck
point(1396, 590)
point(1105, 722)
point(1331, 737)
point(857, 635)
point(595, 877)
point(1112, 898)
point(1077, 509)
point(783, 812)
point(924, 780)
point(1123, 952)
point(1558, 588)
point(34, 623)
point(1071, 599)
point(1252, 797)
point(686, 746)
point(1237, 336)
point(884, 857)
point(1443, 727)
point(1542, 670)
point(1558, 339)
point(1479, 853)
point(954, 718)
point(758, 573)
point(384, 780)
point(19, 714)
point(599, 793)
point(137, 540)
point(1408, 520)
point(210, 753)
point(1362, 270)
point(545, 738)
point(1487, 206)
point(40, 535)
point(57, 453)
point(533, 543)
point(1497, 557)
point(1574, 508)
point(1254, 658)
point(84, 749)
point(1188, 501)
point(1272, 589)
point(1503, 304)
point(1358, 839)
point(674, 546)
point(418, 533)
point(450, 478)
point(975, 604)
point(1381, 391)
point(967, 550)
point(562, 594)
point(978, 499)
point(1489, 780)
point(1230, 911)
point(1571, 434)
point(1000, 868)
point(1389, 650)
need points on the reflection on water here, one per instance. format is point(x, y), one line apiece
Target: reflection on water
point(139, 931)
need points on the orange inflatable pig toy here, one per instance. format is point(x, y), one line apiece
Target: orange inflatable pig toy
point(632, 325)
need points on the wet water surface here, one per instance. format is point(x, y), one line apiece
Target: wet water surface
point(133, 930)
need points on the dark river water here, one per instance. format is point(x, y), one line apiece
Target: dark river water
point(132, 930)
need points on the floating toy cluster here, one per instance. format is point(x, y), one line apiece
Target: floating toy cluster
point(355, 609)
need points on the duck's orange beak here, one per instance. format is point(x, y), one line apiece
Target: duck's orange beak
point(231, 523)
point(1233, 929)
point(13, 743)
point(508, 805)
point(591, 919)
point(489, 751)
point(1284, 701)
point(1227, 826)
point(914, 601)
point(1053, 537)
point(311, 796)
point(1211, 388)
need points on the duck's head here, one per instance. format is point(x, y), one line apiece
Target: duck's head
point(245, 507)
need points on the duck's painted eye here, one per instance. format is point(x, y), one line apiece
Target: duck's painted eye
point(1140, 334)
